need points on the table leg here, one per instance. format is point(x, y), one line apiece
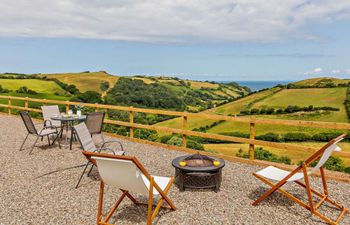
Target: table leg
point(71, 137)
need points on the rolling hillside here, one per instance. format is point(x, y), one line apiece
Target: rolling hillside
point(195, 95)
point(85, 81)
point(277, 98)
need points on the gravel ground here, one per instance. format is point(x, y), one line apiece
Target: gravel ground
point(39, 189)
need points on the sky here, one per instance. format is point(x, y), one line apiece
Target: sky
point(218, 40)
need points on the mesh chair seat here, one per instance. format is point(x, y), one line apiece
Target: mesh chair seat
point(47, 131)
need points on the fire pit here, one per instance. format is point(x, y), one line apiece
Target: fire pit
point(198, 171)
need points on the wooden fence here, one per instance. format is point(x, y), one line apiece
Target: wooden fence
point(252, 121)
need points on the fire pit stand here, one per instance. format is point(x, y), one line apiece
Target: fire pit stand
point(199, 172)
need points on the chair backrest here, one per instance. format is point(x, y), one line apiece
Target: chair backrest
point(329, 148)
point(94, 122)
point(121, 173)
point(84, 137)
point(50, 111)
point(28, 122)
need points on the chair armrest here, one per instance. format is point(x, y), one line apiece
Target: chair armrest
point(109, 149)
point(47, 121)
point(112, 141)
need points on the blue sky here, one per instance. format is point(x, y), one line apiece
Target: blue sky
point(218, 41)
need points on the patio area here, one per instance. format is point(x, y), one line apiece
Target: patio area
point(39, 189)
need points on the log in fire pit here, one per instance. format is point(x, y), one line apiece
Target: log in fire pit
point(198, 171)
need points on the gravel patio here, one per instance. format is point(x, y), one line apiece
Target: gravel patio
point(39, 189)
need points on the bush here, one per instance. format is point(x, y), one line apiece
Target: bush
point(88, 97)
point(347, 169)
point(262, 154)
point(3, 90)
point(175, 140)
point(25, 90)
point(269, 137)
point(104, 86)
point(194, 145)
point(150, 135)
point(165, 139)
point(333, 163)
point(297, 137)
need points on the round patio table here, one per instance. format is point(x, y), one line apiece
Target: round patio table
point(67, 125)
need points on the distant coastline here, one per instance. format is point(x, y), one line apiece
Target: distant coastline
point(258, 85)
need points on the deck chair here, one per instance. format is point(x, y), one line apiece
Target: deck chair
point(281, 177)
point(127, 174)
point(46, 131)
point(88, 144)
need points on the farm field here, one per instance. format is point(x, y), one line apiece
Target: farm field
point(40, 86)
point(295, 156)
point(333, 97)
point(318, 80)
point(232, 107)
point(85, 81)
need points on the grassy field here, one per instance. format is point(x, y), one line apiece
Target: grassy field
point(295, 156)
point(237, 106)
point(40, 86)
point(274, 98)
point(315, 81)
point(333, 97)
point(85, 81)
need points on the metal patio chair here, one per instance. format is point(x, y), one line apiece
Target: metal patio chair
point(94, 122)
point(88, 144)
point(50, 111)
point(46, 131)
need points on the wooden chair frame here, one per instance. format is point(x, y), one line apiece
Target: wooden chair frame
point(310, 206)
point(151, 215)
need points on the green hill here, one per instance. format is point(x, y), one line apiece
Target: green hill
point(321, 82)
point(85, 81)
point(40, 86)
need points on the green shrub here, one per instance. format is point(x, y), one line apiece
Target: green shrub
point(3, 90)
point(262, 154)
point(88, 97)
point(104, 86)
point(194, 145)
point(177, 141)
point(25, 90)
point(297, 137)
point(269, 137)
point(347, 169)
point(333, 163)
point(150, 135)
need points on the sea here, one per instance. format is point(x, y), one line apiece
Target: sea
point(258, 85)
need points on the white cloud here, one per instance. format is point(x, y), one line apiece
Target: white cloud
point(347, 71)
point(168, 20)
point(317, 70)
point(335, 71)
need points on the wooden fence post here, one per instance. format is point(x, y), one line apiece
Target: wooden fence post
point(26, 103)
point(252, 137)
point(131, 118)
point(184, 127)
point(96, 108)
point(67, 106)
point(9, 105)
